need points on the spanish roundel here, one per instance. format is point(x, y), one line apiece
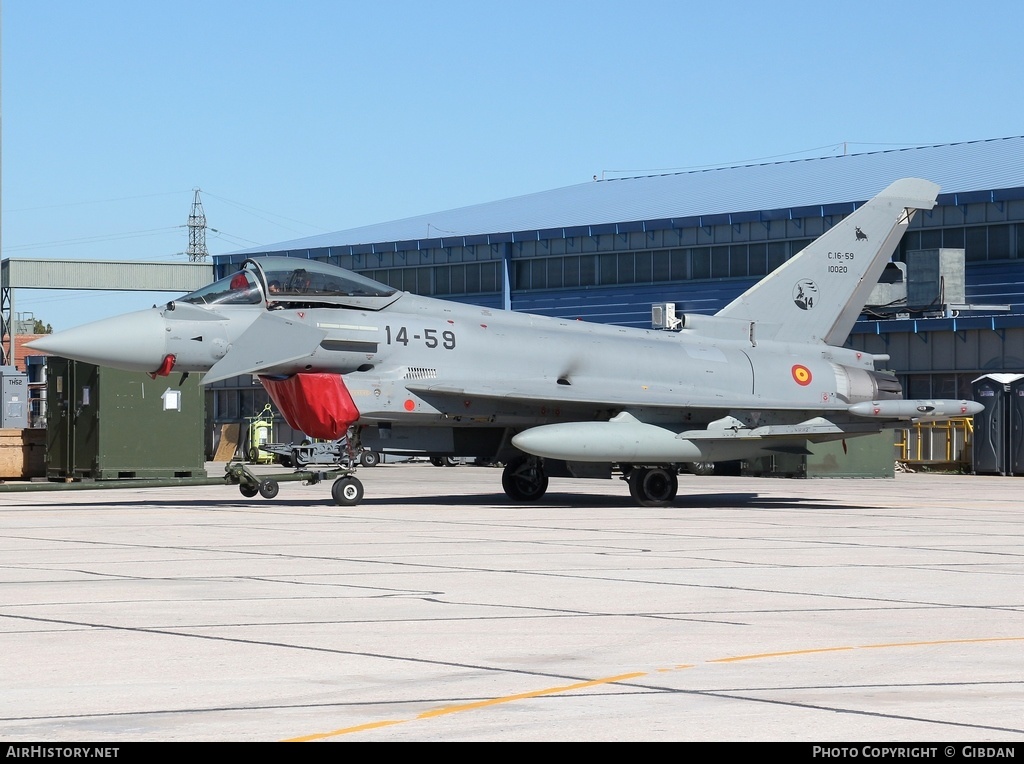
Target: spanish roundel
point(801, 375)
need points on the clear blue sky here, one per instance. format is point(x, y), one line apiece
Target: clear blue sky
point(297, 118)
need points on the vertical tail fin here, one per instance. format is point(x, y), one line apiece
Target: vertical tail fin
point(817, 295)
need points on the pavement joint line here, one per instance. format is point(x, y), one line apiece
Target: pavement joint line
point(499, 700)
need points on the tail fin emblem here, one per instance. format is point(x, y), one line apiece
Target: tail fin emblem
point(805, 293)
point(861, 236)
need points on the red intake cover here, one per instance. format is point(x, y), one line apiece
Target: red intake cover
point(316, 404)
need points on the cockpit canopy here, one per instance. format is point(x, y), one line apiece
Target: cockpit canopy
point(238, 289)
point(291, 281)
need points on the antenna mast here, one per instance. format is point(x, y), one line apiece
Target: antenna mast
point(197, 252)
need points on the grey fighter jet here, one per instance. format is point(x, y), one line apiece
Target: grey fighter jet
point(546, 396)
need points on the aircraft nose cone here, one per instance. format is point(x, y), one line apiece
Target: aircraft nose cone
point(134, 342)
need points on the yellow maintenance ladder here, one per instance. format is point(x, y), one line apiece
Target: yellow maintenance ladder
point(946, 443)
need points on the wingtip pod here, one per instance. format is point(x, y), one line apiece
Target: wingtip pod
point(921, 409)
point(912, 192)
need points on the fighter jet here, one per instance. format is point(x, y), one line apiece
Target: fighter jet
point(338, 352)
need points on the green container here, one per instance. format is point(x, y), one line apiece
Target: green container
point(107, 424)
point(869, 456)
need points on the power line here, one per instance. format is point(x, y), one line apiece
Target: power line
point(254, 210)
point(833, 147)
point(92, 239)
point(92, 201)
point(231, 238)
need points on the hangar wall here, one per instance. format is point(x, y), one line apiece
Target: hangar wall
point(613, 276)
point(939, 360)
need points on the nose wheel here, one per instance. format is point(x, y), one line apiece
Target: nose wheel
point(347, 491)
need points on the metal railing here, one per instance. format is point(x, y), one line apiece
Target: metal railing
point(946, 442)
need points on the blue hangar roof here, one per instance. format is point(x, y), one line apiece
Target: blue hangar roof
point(967, 172)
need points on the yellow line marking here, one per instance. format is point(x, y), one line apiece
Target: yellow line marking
point(944, 642)
point(524, 695)
point(469, 707)
point(634, 675)
point(344, 731)
point(759, 656)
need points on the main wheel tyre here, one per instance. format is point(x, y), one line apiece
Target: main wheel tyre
point(653, 486)
point(369, 458)
point(248, 490)
point(268, 488)
point(524, 480)
point(347, 491)
point(437, 461)
point(450, 461)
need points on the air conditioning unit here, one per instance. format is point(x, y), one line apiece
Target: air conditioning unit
point(663, 316)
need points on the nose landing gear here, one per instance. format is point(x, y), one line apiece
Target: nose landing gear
point(347, 491)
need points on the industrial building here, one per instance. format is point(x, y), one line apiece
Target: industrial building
point(610, 250)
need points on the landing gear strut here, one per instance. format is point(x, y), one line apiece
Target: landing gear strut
point(523, 479)
point(653, 486)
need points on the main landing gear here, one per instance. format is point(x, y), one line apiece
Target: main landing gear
point(523, 479)
point(652, 486)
